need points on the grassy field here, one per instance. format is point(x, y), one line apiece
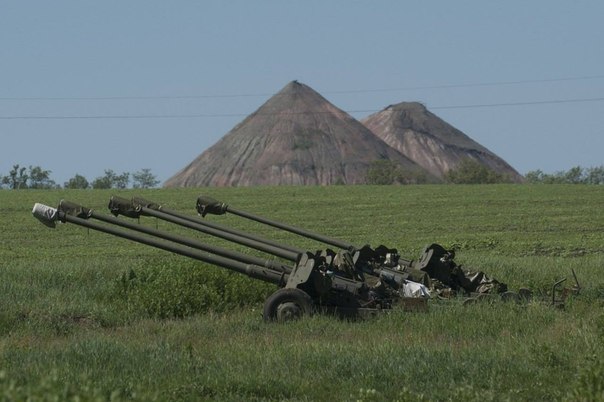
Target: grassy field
point(87, 316)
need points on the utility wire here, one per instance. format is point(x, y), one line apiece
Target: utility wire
point(350, 91)
point(195, 115)
point(470, 85)
point(543, 102)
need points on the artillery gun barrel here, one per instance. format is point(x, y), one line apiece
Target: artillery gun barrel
point(119, 205)
point(276, 251)
point(208, 205)
point(70, 208)
point(251, 270)
point(158, 207)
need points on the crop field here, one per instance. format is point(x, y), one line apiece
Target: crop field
point(87, 316)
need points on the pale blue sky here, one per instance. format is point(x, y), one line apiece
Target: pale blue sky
point(220, 60)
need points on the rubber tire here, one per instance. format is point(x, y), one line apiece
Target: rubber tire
point(287, 304)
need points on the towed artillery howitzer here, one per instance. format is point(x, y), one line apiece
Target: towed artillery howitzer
point(351, 281)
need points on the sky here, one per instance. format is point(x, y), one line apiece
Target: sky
point(87, 86)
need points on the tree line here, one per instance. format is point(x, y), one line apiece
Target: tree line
point(382, 172)
point(470, 171)
point(35, 177)
point(575, 175)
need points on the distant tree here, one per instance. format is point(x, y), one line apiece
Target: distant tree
point(534, 176)
point(17, 178)
point(103, 182)
point(382, 172)
point(555, 178)
point(40, 178)
point(575, 175)
point(595, 175)
point(470, 171)
point(122, 180)
point(385, 172)
point(412, 177)
point(111, 180)
point(34, 177)
point(77, 181)
point(144, 179)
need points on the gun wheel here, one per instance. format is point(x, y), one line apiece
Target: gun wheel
point(287, 304)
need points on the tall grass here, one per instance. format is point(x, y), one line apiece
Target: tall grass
point(85, 316)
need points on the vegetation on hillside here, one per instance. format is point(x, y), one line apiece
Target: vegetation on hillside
point(386, 172)
point(470, 171)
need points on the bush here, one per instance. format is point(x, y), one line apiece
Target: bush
point(177, 289)
point(78, 181)
point(470, 171)
point(384, 172)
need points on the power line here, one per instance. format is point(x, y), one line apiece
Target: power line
point(350, 91)
point(195, 115)
point(142, 116)
point(102, 98)
point(470, 85)
point(543, 102)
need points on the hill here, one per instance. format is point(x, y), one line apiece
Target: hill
point(298, 138)
point(431, 142)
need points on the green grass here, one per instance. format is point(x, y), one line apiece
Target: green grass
point(87, 316)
